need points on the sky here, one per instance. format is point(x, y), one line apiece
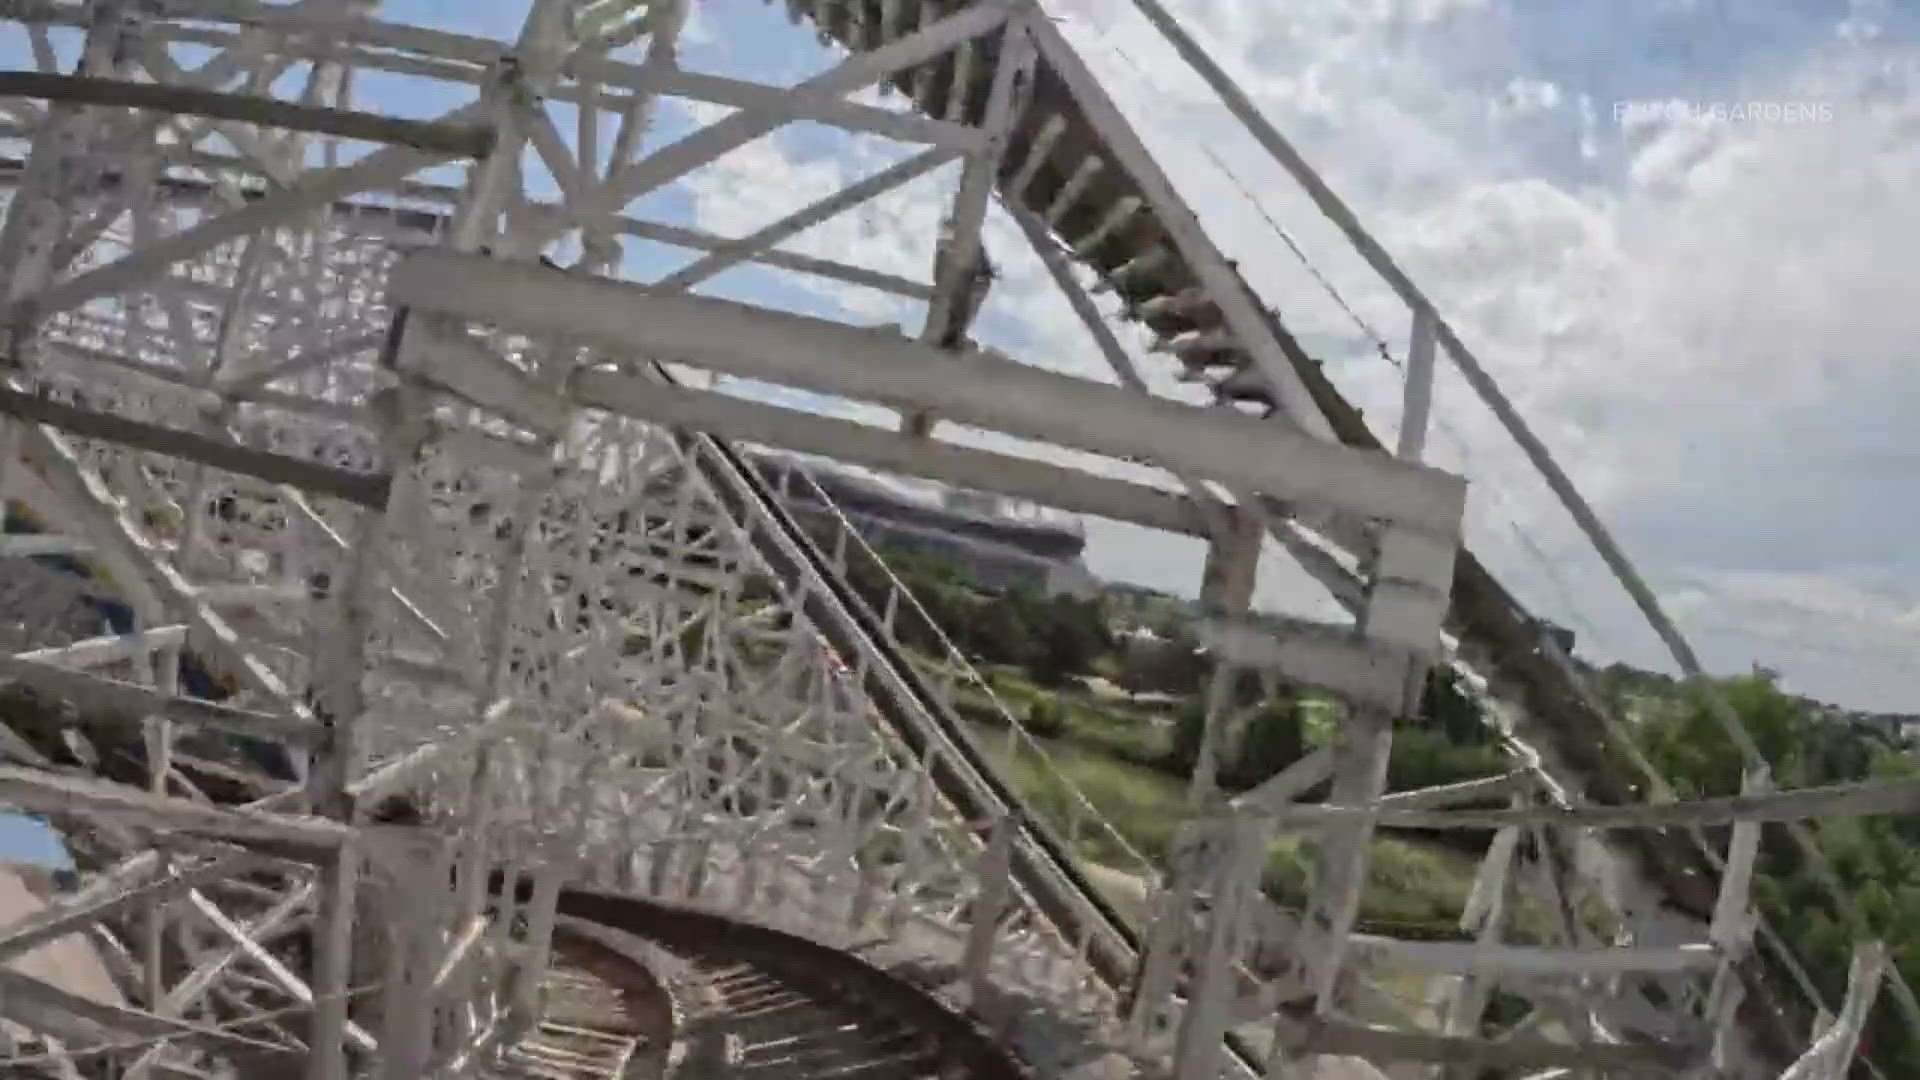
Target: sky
point(1671, 229)
point(1697, 305)
point(1697, 312)
point(1667, 227)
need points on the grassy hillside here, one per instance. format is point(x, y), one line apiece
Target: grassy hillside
point(1120, 723)
point(1123, 727)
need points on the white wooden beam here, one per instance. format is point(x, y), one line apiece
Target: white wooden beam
point(70, 490)
point(1235, 891)
point(460, 953)
point(244, 384)
point(1831, 1055)
point(313, 191)
point(1465, 957)
point(960, 251)
point(1342, 1038)
point(107, 649)
point(131, 703)
point(29, 545)
point(1287, 784)
point(1216, 275)
point(1465, 791)
point(141, 879)
point(1868, 798)
point(729, 417)
point(825, 107)
point(277, 919)
point(282, 976)
point(976, 388)
point(49, 793)
point(1122, 364)
point(747, 247)
point(455, 139)
point(225, 454)
point(181, 190)
point(1366, 673)
point(446, 356)
point(682, 236)
point(992, 895)
point(393, 775)
point(34, 1002)
point(858, 71)
point(1417, 401)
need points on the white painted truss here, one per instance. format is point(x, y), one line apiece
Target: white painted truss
point(371, 553)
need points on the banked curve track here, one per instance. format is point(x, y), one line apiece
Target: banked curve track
point(643, 989)
point(755, 1001)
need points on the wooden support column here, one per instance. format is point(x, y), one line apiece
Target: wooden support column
point(1165, 944)
point(1831, 1054)
point(961, 274)
point(340, 703)
point(1734, 921)
point(537, 949)
point(1417, 393)
point(1236, 890)
point(1485, 917)
point(493, 188)
point(1232, 566)
point(1410, 575)
point(158, 735)
point(1360, 775)
point(989, 906)
point(61, 169)
point(419, 878)
point(1226, 589)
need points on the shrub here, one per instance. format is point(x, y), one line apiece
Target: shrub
point(1045, 718)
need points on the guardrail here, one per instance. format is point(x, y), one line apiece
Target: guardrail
point(951, 668)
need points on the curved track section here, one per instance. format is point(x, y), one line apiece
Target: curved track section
point(637, 989)
point(604, 1015)
point(641, 990)
point(755, 1001)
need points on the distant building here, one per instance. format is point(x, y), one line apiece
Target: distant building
point(1560, 635)
point(998, 547)
point(1897, 729)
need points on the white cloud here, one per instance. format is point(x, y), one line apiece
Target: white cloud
point(1707, 319)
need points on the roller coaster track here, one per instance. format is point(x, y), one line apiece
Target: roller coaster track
point(754, 1000)
point(639, 989)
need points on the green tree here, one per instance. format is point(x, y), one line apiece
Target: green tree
point(996, 633)
point(1183, 749)
point(1688, 742)
point(1045, 717)
point(1444, 705)
point(1068, 634)
point(1875, 859)
point(1274, 737)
